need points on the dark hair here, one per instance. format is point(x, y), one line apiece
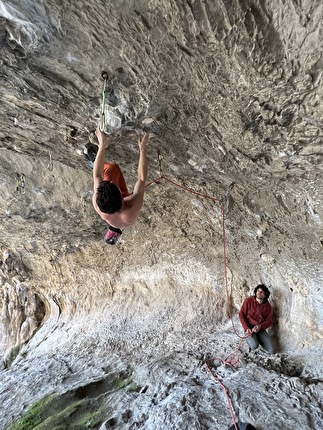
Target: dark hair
point(264, 289)
point(108, 197)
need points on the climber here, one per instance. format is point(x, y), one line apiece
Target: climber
point(111, 198)
point(256, 316)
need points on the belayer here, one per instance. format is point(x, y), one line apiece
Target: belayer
point(256, 316)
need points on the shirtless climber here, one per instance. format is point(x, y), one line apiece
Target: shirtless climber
point(111, 198)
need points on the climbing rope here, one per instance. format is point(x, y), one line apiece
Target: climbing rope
point(232, 359)
point(225, 392)
point(183, 188)
point(244, 337)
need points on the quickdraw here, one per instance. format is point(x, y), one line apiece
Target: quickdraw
point(159, 161)
point(105, 78)
point(20, 183)
point(50, 164)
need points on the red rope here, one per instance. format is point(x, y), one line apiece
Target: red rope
point(205, 196)
point(226, 394)
point(226, 275)
point(223, 239)
point(232, 359)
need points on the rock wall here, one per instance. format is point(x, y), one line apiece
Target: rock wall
point(117, 337)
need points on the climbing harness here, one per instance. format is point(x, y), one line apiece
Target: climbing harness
point(112, 235)
point(50, 163)
point(105, 78)
point(20, 183)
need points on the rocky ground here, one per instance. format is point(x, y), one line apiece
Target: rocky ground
point(119, 337)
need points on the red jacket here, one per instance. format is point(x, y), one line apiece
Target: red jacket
point(253, 313)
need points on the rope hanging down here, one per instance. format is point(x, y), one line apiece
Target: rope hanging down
point(232, 359)
point(222, 202)
point(228, 361)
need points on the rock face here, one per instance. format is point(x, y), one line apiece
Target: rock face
point(119, 337)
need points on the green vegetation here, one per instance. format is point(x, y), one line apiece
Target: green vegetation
point(80, 409)
point(33, 417)
point(88, 420)
point(79, 415)
point(48, 414)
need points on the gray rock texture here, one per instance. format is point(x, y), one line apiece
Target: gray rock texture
point(126, 337)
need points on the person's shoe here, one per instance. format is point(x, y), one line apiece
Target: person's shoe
point(112, 236)
point(90, 152)
point(243, 426)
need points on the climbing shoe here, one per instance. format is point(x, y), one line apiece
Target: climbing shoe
point(90, 152)
point(112, 235)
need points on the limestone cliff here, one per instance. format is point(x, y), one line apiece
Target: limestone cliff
point(103, 337)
